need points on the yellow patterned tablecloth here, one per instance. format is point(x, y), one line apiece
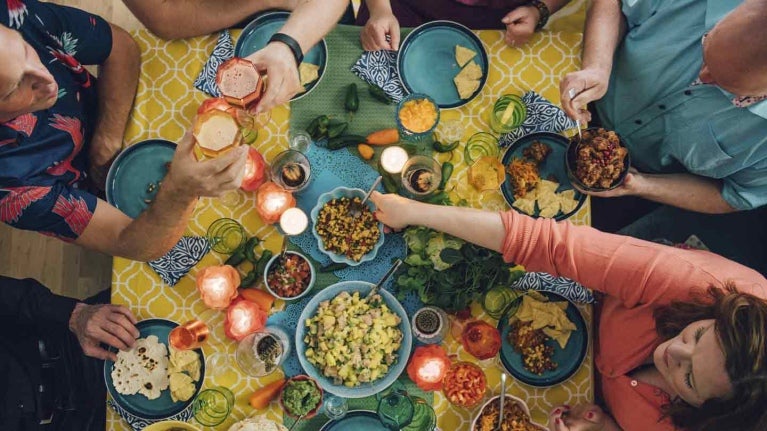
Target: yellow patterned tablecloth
point(164, 108)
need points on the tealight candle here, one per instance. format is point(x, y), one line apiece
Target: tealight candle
point(428, 367)
point(293, 221)
point(218, 285)
point(243, 318)
point(272, 200)
point(393, 159)
point(255, 171)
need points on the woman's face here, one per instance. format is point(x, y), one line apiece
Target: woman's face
point(693, 364)
point(26, 85)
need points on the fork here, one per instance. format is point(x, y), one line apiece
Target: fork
point(571, 92)
point(355, 209)
point(386, 276)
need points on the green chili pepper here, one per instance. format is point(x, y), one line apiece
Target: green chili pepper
point(249, 279)
point(333, 267)
point(236, 258)
point(351, 101)
point(336, 128)
point(447, 171)
point(444, 148)
point(318, 128)
point(261, 265)
point(250, 249)
point(379, 94)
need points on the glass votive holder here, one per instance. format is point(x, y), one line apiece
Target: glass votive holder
point(421, 176)
point(430, 325)
point(225, 235)
point(291, 170)
point(261, 353)
point(212, 406)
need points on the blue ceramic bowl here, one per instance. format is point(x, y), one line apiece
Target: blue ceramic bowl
point(406, 133)
point(312, 276)
point(337, 193)
point(364, 389)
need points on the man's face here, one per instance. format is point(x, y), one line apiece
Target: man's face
point(26, 85)
point(733, 57)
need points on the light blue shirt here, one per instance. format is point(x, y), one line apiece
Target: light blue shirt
point(670, 126)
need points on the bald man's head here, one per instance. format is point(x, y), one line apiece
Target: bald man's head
point(735, 51)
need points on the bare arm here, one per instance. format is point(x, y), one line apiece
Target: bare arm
point(605, 28)
point(155, 231)
point(177, 19)
point(118, 78)
point(311, 20)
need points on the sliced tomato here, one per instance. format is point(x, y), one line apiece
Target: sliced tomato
point(215, 103)
point(255, 171)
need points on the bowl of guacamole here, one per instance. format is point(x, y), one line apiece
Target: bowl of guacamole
point(301, 396)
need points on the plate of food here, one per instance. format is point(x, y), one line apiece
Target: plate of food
point(356, 420)
point(544, 339)
point(445, 60)
point(153, 381)
point(256, 35)
point(516, 416)
point(334, 327)
point(136, 174)
point(598, 160)
point(536, 179)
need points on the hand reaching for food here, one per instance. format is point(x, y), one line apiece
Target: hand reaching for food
point(392, 209)
point(584, 417)
point(277, 62)
point(520, 25)
point(578, 89)
point(380, 32)
point(113, 325)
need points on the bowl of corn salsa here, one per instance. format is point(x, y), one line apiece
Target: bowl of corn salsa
point(339, 235)
point(417, 116)
point(289, 277)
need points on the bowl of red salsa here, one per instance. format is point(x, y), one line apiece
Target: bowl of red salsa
point(289, 277)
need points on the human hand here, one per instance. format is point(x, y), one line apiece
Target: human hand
point(190, 178)
point(374, 35)
point(586, 417)
point(631, 185)
point(392, 209)
point(101, 154)
point(579, 88)
point(113, 325)
point(277, 62)
point(520, 25)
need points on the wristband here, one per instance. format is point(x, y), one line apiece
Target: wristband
point(544, 12)
point(291, 43)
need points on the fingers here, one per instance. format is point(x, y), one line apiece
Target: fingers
point(376, 197)
point(119, 317)
point(222, 163)
point(513, 16)
point(125, 311)
point(555, 419)
point(104, 335)
point(99, 353)
point(394, 34)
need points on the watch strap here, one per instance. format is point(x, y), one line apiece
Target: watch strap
point(291, 43)
point(545, 13)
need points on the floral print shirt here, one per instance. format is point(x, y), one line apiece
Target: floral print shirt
point(43, 155)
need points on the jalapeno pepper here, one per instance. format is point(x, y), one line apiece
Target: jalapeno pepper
point(379, 94)
point(249, 279)
point(351, 101)
point(250, 252)
point(447, 171)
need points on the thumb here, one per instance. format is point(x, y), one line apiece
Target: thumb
point(186, 144)
point(512, 16)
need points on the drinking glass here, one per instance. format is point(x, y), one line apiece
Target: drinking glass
point(396, 410)
point(334, 407)
point(189, 336)
point(430, 325)
point(424, 417)
point(421, 176)
point(212, 406)
point(226, 235)
point(291, 170)
point(262, 352)
point(509, 112)
point(300, 141)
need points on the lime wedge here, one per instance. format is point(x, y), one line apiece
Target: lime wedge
point(508, 112)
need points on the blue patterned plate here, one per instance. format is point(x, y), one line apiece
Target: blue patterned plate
point(568, 360)
point(552, 166)
point(356, 420)
point(256, 35)
point(365, 389)
point(140, 406)
point(132, 172)
point(426, 61)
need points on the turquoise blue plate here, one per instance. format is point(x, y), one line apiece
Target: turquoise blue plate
point(364, 389)
point(258, 32)
point(568, 360)
point(132, 172)
point(356, 420)
point(139, 405)
point(426, 61)
point(553, 167)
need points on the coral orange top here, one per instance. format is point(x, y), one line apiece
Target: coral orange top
point(636, 277)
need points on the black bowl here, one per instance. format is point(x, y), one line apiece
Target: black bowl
point(570, 166)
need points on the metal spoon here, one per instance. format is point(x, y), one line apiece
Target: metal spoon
point(386, 276)
point(355, 209)
point(503, 398)
point(296, 422)
point(571, 92)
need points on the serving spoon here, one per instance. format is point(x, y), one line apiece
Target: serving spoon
point(355, 209)
point(503, 398)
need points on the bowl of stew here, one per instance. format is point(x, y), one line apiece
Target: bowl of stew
point(289, 277)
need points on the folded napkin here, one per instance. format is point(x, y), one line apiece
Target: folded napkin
point(541, 281)
point(224, 50)
point(542, 116)
point(137, 424)
point(379, 68)
point(180, 259)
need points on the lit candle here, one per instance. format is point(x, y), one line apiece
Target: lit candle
point(272, 200)
point(393, 159)
point(428, 367)
point(293, 221)
point(255, 171)
point(218, 285)
point(243, 318)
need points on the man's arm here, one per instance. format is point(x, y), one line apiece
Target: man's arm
point(155, 231)
point(685, 191)
point(177, 19)
point(118, 79)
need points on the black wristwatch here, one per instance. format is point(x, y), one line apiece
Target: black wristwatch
point(544, 11)
point(291, 43)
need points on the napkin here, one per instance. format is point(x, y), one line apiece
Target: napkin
point(224, 50)
point(379, 68)
point(180, 259)
point(541, 281)
point(137, 424)
point(542, 116)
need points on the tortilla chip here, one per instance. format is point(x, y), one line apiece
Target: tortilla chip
point(308, 73)
point(549, 186)
point(471, 71)
point(567, 201)
point(463, 55)
point(465, 88)
point(546, 315)
point(526, 205)
point(550, 210)
point(181, 387)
